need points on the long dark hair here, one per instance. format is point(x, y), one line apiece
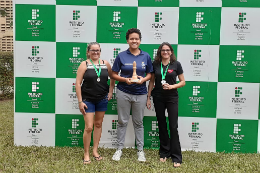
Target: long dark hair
point(158, 58)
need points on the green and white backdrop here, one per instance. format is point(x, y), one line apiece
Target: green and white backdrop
point(217, 43)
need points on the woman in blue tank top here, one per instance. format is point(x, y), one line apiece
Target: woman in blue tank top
point(93, 96)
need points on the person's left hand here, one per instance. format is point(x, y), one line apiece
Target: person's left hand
point(166, 86)
point(109, 96)
point(148, 104)
point(141, 81)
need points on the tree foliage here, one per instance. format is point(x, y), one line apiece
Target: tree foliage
point(6, 75)
point(2, 12)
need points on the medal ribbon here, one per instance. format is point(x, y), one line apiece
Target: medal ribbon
point(98, 72)
point(163, 75)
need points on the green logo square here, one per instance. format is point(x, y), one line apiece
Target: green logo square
point(237, 135)
point(69, 56)
point(198, 99)
point(151, 132)
point(199, 25)
point(238, 64)
point(113, 23)
point(69, 130)
point(35, 22)
point(35, 95)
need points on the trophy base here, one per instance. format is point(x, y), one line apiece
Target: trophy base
point(134, 80)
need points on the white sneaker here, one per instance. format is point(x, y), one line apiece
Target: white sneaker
point(117, 155)
point(141, 156)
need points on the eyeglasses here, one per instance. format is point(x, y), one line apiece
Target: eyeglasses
point(93, 51)
point(165, 50)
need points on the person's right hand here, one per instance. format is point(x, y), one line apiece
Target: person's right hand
point(148, 104)
point(128, 81)
point(82, 107)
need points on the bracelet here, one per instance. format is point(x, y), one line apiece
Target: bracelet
point(80, 101)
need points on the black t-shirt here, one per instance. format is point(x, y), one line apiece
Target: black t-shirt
point(173, 71)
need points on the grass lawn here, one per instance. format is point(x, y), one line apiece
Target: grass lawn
point(69, 159)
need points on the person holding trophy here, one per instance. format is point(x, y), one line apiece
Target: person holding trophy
point(135, 67)
point(163, 88)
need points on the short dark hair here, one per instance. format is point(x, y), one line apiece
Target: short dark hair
point(158, 58)
point(131, 31)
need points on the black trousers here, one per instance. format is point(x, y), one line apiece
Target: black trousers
point(169, 146)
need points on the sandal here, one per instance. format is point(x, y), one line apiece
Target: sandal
point(85, 162)
point(176, 164)
point(98, 158)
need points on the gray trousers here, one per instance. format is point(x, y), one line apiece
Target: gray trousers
point(125, 102)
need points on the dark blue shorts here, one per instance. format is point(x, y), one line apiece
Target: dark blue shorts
point(96, 106)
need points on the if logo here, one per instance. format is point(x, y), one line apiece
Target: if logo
point(240, 54)
point(195, 126)
point(238, 91)
point(196, 90)
point(116, 52)
point(74, 87)
point(34, 122)
point(76, 51)
point(35, 13)
point(154, 53)
point(236, 128)
point(34, 86)
point(76, 15)
point(74, 123)
point(197, 54)
point(34, 130)
point(158, 16)
point(199, 17)
point(35, 51)
point(154, 125)
point(158, 0)
point(241, 17)
point(114, 124)
point(116, 16)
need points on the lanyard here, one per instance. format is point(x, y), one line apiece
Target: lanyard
point(98, 72)
point(163, 75)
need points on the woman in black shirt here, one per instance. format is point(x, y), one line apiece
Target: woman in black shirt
point(93, 96)
point(165, 96)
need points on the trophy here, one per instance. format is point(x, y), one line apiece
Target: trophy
point(134, 78)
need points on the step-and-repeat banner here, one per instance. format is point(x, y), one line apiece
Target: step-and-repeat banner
point(216, 41)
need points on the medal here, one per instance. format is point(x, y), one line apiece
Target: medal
point(163, 82)
point(98, 72)
point(164, 74)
